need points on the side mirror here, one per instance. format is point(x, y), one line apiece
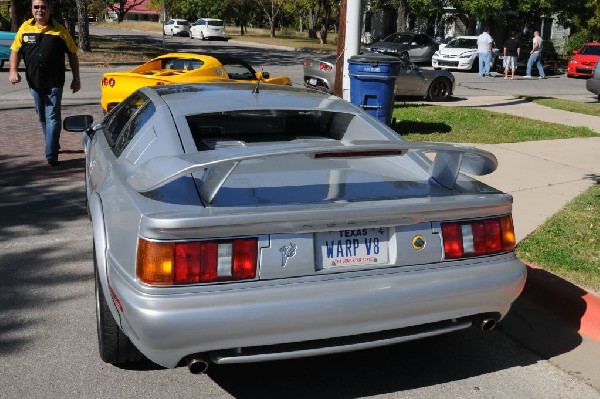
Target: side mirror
point(77, 123)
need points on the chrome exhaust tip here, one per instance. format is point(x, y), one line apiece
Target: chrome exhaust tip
point(487, 324)
point(197, 365)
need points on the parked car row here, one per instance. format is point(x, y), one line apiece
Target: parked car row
point(203, 28)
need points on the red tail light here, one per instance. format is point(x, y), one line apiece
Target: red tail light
point(177, 263)
point(325, 67)
point(478, 237)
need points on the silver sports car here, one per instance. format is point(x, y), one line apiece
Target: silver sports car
point(234, 223)
point(412, 81)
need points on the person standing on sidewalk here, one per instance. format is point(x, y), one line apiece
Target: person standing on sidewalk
point(485, 44)
point(536, 56)
point(42, 43)
point(511, 54)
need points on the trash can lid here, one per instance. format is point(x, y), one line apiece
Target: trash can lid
point(374, 58)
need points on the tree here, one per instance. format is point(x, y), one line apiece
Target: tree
point(240, 11)
point(326, 6)
point(271, 9)
point(122, 7)
point(83, 39)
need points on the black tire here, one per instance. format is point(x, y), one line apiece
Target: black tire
point(114, 346)
point(599, 97)
point(439, 90)
point(201, 36)
point(191, 35)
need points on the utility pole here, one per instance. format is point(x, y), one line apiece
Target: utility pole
point(348, 44)
point(341, 45)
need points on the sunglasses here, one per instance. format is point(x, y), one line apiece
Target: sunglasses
point(39, 7)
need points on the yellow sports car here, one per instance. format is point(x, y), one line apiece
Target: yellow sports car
point(180, 68)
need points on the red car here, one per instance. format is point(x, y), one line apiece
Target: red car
point(583, 61)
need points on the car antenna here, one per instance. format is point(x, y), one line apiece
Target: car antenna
point(256, 89)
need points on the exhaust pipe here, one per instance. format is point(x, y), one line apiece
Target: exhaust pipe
point(487, 324)
point(197, 365)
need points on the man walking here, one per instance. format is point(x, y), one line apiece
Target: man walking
point(536, 56)
point(485, 43)
point(42, 43)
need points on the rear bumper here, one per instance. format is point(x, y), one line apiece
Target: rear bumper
point(169, 327)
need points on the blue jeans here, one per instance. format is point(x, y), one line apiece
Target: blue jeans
point(485, 60)
point(535, 58)
point(47, 105)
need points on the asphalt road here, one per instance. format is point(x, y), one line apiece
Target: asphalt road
point(47, 323)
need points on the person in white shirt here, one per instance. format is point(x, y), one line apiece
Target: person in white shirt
point(485, 43)
point(536, 56)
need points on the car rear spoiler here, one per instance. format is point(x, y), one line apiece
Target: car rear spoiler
point(449, 160)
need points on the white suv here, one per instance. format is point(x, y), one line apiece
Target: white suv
point(179, 27)
point(208, 28)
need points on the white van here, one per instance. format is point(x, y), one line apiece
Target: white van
point(208, 28)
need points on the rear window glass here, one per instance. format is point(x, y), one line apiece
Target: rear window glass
point(220, 129)
point(187, 64)
point(215, 23)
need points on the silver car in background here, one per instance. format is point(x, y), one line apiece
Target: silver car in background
point(238, 223)
point(593, 83)
point(412, 81)
point(415, 47)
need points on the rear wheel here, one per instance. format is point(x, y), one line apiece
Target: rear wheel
point(439, 90)
point(191, 35)
point(114, 346)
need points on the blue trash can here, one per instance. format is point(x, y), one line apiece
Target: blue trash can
point(372, 82)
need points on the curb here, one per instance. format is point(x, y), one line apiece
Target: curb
point(578, 308)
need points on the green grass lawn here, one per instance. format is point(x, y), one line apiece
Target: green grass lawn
point(565, 105)
point(472, 125)
point(568, 244)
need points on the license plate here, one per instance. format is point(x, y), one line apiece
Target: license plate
point(352, 247)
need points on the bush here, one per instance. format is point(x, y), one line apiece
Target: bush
point(575, 41)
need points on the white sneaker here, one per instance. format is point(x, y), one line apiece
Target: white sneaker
point(527, 77)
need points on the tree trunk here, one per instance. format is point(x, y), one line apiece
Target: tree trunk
point(312, 25)
point(17, 14)
point(325, 21)
point(403, 10)
point(83, 39)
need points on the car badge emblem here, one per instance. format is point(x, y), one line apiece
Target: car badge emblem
point(287, 252)
point(418, 242)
